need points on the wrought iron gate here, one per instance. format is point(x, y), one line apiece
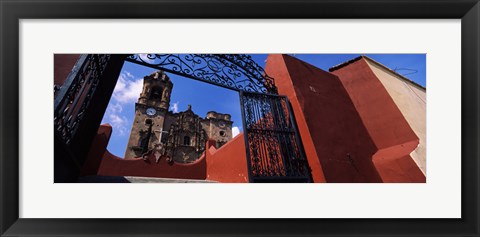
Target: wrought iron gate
point(274, 149)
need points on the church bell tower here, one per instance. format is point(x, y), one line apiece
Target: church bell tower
point(150, 112)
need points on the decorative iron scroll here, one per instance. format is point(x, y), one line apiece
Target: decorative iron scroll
point(234, 71)
point(274, 150)
point(73, 98)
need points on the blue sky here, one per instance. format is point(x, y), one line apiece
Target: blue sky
point(205, 97)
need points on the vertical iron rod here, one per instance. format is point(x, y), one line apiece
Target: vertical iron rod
point(245, 136)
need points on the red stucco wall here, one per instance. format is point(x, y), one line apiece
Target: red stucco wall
point(381, 116)
point(97, 150)
point(387, 126)
point(115, 166)
point(63, 66)
point(111, 165)
point(276, 68)
point(395, 169)
point(228, 164)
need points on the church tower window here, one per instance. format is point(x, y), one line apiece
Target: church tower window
point(186, 141)
point(156, 94)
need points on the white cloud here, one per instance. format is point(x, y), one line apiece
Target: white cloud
point(127, 90)
point(128, 74)
point(174, 107)
point(114, 117)
point(235, 131)
point(119, 123)
point(115, 108)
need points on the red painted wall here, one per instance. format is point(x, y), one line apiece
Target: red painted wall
point(388, 128)
point(378, 111)
point(97, 150)
point(228, 164)
point(111, 165)
point(394, 169)
point(337, 145)
point(276, 68)
point(115, 166)
point(63, 66)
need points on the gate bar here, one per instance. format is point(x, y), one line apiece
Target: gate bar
point(245, 136)
point(301, 149)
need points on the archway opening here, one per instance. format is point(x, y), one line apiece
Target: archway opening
point(184, 114)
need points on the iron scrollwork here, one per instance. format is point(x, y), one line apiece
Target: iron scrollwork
point(235, 71)
point(73, 98)
point(274, 150)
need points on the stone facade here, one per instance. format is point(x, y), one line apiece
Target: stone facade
point(180, 136)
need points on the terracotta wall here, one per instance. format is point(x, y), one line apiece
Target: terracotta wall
point(63, 66)
point(411, 101)
point(389, 130)
point(115, 166)
point(228, 164)
point(337, 145)
point(111, 165)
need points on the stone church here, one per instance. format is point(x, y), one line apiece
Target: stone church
point(179, 136)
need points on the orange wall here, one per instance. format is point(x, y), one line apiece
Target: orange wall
point(381, 116)
point(229, 163)
point(276, 68)
point(115, 166)
point(97, 150)
point(63, 66)
point(111, 165)
point(387, 126)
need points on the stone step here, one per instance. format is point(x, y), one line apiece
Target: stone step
point(135, 179)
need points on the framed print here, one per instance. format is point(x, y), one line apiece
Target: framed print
point(239, 118)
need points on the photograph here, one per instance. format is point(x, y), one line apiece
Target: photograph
point(240, 118)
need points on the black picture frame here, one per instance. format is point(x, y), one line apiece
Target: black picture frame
point(11, 11)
